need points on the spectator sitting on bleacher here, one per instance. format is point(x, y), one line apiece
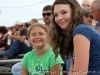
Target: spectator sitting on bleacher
point(13, 30)
point(26, 25)
point(87, 16)
point(47, 15)
point(95, 11)
point(33, 21)
point(19, 46)
point(3, 41)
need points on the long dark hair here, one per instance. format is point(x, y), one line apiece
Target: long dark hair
point(63, 39)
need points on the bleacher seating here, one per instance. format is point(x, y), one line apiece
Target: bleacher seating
point(6, 65)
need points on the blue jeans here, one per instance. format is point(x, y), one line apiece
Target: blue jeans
point(17, 48)
point(17, 69)
point(2, 53)
point(67, 66)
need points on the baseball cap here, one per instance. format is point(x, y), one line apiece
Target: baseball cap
point(18, 23)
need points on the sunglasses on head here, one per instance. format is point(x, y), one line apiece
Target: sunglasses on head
point(46, 14)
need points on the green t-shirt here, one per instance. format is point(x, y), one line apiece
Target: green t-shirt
point(41, 65)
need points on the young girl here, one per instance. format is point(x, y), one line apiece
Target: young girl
point(74, 38)
point(41, 60)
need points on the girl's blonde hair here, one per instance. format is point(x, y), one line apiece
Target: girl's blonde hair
point(37, 25)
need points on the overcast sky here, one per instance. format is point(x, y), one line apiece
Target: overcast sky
point(21, 10)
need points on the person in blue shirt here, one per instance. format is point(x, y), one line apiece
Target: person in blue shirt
point(69, 33)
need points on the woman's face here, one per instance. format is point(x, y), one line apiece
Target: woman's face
point(62, 14)
point(38, 37)
point(88, 19)
point(85, 5)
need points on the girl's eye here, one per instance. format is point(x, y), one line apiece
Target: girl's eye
point(33, 35)
point(64, 12)
point(40, 34)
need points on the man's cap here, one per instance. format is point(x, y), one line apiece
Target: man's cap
point(18, 23)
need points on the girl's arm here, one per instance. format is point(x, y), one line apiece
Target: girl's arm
point(24, 71)
point(71, 67)
point(55, 70)
point(81, 51)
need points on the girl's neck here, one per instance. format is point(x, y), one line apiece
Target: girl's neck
point(41, 51)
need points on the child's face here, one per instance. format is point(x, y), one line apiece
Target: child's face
point(62, 13)
point(38, 37)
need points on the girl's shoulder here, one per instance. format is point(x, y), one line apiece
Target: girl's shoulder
point(87, 31)
point(50, 51)
point(83, 26)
